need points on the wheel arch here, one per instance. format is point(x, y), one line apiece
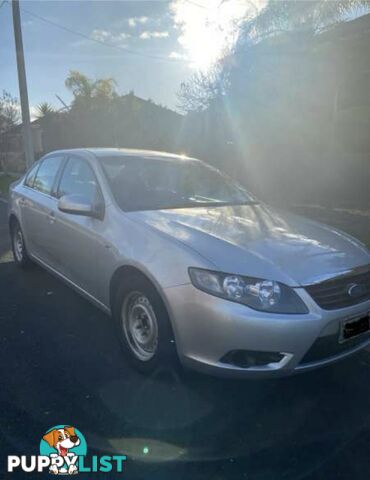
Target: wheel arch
point(124, 273)
point(12, 219)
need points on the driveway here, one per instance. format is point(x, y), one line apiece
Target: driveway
point(60, 363)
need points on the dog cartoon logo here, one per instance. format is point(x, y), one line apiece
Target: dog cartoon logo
point(63, 444)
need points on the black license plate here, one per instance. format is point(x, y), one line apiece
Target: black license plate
point(353, 328)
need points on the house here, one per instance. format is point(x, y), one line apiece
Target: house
point(124, 121)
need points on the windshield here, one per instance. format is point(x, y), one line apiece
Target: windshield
point(140, 183)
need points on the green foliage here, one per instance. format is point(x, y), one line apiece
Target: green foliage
point(88, 92)
point(9, 111)
point(44, 109)
point(79, 84)
point(99, 117)
point(5, 181)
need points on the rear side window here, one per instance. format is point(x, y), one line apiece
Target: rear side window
point(31, 175)
point(46, 174)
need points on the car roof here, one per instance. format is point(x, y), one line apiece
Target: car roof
point(127, 152)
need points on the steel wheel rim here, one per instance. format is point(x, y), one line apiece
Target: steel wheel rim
point(140, 326)
point(18, 244)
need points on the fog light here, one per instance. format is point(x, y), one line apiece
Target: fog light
point(251, 358)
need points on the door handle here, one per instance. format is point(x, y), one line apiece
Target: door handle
point(51, 217)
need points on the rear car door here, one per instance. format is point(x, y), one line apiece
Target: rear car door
point(76, 236)
point(38, 206)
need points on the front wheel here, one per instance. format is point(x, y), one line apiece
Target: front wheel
point(143, 325)
point(20, 254)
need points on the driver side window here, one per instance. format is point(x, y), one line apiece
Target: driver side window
point(78, 178)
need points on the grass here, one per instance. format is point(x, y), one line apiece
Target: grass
point(5, 181)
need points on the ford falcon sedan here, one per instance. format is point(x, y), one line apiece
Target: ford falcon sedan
point(190, 265)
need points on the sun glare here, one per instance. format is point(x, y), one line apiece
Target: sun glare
point(209, 28)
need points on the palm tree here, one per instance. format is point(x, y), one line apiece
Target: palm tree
point(83, 87)
point(44, 109)
point(104, 87)
point(79, 84)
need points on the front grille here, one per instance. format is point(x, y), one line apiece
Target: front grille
point(326, 347)
point(343, 291)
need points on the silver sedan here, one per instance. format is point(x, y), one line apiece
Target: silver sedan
point(191, 266)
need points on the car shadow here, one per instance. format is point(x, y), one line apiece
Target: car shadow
point(4, 231)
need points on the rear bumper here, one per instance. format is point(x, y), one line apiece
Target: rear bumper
point(208, 328)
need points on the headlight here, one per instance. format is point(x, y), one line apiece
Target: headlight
point(260, 294)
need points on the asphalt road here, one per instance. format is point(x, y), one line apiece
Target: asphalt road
point(60, 363)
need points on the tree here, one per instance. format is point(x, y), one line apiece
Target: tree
point(93, 108)
point(44, 110)
point(85, 89)
point(288, 15)
point(9, 111)
point(79, 84)
point(276, 17)
point(197, 94)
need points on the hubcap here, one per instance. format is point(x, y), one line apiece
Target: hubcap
point(18, 244)
point(140, 326)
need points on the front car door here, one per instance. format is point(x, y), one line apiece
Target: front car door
point(77, 237)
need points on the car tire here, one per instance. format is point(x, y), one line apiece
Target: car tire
point(20, 254)
point(143, 326)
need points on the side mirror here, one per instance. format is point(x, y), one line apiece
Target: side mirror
point(77, 204)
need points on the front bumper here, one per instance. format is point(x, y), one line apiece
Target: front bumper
point(208, 328)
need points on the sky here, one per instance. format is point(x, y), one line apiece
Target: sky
point(150, 47)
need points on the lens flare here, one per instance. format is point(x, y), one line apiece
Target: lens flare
point(209, 28)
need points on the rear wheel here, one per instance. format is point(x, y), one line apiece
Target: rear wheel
point(143, 326)
point(20, 254)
